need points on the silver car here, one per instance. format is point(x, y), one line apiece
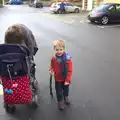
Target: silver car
point(69, 7)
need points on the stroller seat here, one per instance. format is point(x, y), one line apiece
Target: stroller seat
point(15, 68)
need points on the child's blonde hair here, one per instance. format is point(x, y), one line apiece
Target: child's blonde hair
point(59, 43)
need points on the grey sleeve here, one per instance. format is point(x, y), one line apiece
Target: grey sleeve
point(35, 47)
point(31, 42)
point(29, 39)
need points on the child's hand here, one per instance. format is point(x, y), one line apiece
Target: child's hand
point(66, 83)
point(51, 72)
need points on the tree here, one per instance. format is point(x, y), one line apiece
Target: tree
point(1, 3)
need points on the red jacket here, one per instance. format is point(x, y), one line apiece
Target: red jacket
point(55, 67)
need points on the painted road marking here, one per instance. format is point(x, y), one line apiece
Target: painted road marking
point(58, 17)
point(84, 21)
point(65, 20)
point(68, 21)
point(100, 26)
point(1, 90)
point(108, 26)
point(50, 15)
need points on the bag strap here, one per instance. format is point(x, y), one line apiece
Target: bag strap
point(8, 66)
point(22, 48)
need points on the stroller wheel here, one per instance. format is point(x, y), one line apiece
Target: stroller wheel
point(35, 101)
point(35, 84)
point(10, 108)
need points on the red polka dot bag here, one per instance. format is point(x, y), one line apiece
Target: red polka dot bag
point(17, 90)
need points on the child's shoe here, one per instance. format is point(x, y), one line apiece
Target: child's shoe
point(61, 105)
point(67, 101)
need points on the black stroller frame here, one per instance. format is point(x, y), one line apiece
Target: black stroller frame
point(31, 74)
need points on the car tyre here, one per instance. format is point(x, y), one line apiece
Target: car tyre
point(41, 6)
point(104, 20)
point(77, 10)
point(59, 11)
point(37, 6)
point(92, 21)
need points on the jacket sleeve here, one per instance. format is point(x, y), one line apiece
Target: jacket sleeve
point(34, 43)
point(69, 70)
point(29, 39)
point(51, 64)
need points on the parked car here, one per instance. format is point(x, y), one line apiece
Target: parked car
point(36, 4)
point(69, 7)
point(14, 2)
point(105, 13)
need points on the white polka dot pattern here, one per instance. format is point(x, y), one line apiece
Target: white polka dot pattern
point(22, 93)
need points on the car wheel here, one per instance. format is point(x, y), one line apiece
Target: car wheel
point(77, 10)
point(41, 6)
point(92, 21)
point(59, 11)
point(37, 6)
point(104, 20)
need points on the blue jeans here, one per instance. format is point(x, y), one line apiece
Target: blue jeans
point(62, 91)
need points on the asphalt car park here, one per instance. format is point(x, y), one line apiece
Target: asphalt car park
point(81, 18)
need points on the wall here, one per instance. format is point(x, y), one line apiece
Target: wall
point(89, 7)
point(90, 4)
point(112, 1)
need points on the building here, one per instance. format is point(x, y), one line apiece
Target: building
point(90, 4)
point(112, 1)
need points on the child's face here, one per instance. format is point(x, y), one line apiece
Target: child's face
point(59, 50)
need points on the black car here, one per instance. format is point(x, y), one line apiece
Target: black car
point(109, 12)
point(36, 4)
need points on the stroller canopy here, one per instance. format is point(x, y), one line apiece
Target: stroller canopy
point(14, 48)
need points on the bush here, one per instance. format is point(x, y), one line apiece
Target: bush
point(1, 2)
point(77, 4)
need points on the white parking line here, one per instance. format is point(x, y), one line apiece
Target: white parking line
point(108, 26)
point(84, 21)
point(67, 21)
point(113, 26)
point(100, 26)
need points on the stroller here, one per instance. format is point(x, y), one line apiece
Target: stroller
point(17, 74)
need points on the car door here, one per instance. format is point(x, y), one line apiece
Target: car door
point(118, 12)
point(69, 7)
point(112, 13)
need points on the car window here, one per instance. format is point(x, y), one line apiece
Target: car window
point(53, 4)
point(118, 8)
point(69, 4)
point(60, 3)
point(101, 7)
point(36, 1)
point(112, 8)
